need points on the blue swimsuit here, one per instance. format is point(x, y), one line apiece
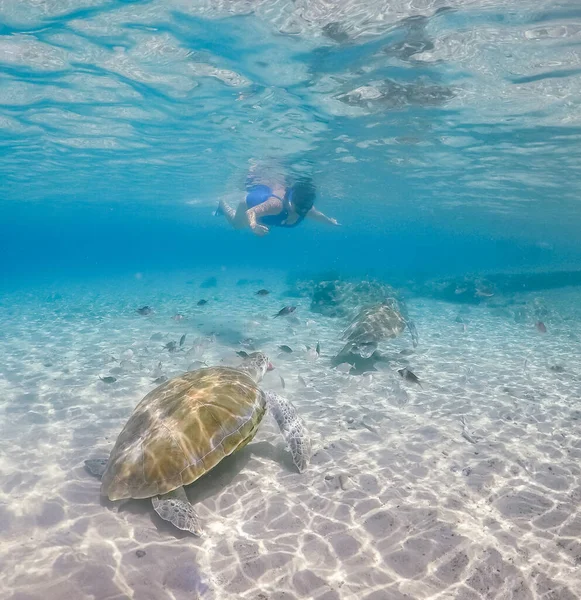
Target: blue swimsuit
point(259, 194)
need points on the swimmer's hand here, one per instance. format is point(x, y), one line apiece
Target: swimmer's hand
point(258, 229)
point(317, 215)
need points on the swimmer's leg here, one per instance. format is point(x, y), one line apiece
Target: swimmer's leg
point(240, 220)
point(224, 209)
point(237, 218)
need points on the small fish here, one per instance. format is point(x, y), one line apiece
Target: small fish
point(285, 348)
point(108, 379)
point(287, 310)
point(367, 378)
point(171, 346)
point(465, 433)
point(182, 340)
point(262, 293)
point(282, 382)
point(541, 327)
point(409, 376)
point(242, 354)
point(401, 396)
point(202, 302)
point(318, 349)
point(158, 370)
point(160, 379)
point(302, 381)
point(197, 364)
point(145, 310)
point(178, 317)
point(312, 354)
point(557, 369)
point(369, 427)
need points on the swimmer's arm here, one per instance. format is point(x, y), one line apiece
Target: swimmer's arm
point(317, 215)
point(273, 206)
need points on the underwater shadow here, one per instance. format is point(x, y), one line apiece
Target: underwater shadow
point(224, 473)
point(208, 486)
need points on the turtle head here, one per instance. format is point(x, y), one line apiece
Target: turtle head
point(391, 302)
point(256, 365)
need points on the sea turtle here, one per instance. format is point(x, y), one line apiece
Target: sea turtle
point(185, 427)
point(372, 325)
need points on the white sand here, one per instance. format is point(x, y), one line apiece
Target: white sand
point(396, 503)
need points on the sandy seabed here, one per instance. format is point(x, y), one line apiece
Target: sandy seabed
point(468, 487)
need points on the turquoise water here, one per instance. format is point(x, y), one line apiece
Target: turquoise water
point(445, 138)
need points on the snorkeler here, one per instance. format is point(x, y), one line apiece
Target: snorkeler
point(275, 206)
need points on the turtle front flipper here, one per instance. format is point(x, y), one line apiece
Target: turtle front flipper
point(292, 428)
point(96, 466)
point(176, 508)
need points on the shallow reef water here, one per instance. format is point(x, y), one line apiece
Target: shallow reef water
point(467, 486)
point(424, 318)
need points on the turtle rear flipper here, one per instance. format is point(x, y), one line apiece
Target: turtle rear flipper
point(96, 466)
point(292, 428)
point(353, 351)
point(176, 508)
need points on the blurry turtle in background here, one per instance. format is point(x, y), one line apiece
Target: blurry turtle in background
point(376, 323)
point(372, 325)
point(185, 427)
point(336, 298)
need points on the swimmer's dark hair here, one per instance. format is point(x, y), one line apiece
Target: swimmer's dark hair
point(302, 195)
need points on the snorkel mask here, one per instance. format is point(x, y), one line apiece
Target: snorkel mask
point(300, 210)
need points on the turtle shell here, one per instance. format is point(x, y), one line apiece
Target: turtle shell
point(382, 321)
point(181, 430)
